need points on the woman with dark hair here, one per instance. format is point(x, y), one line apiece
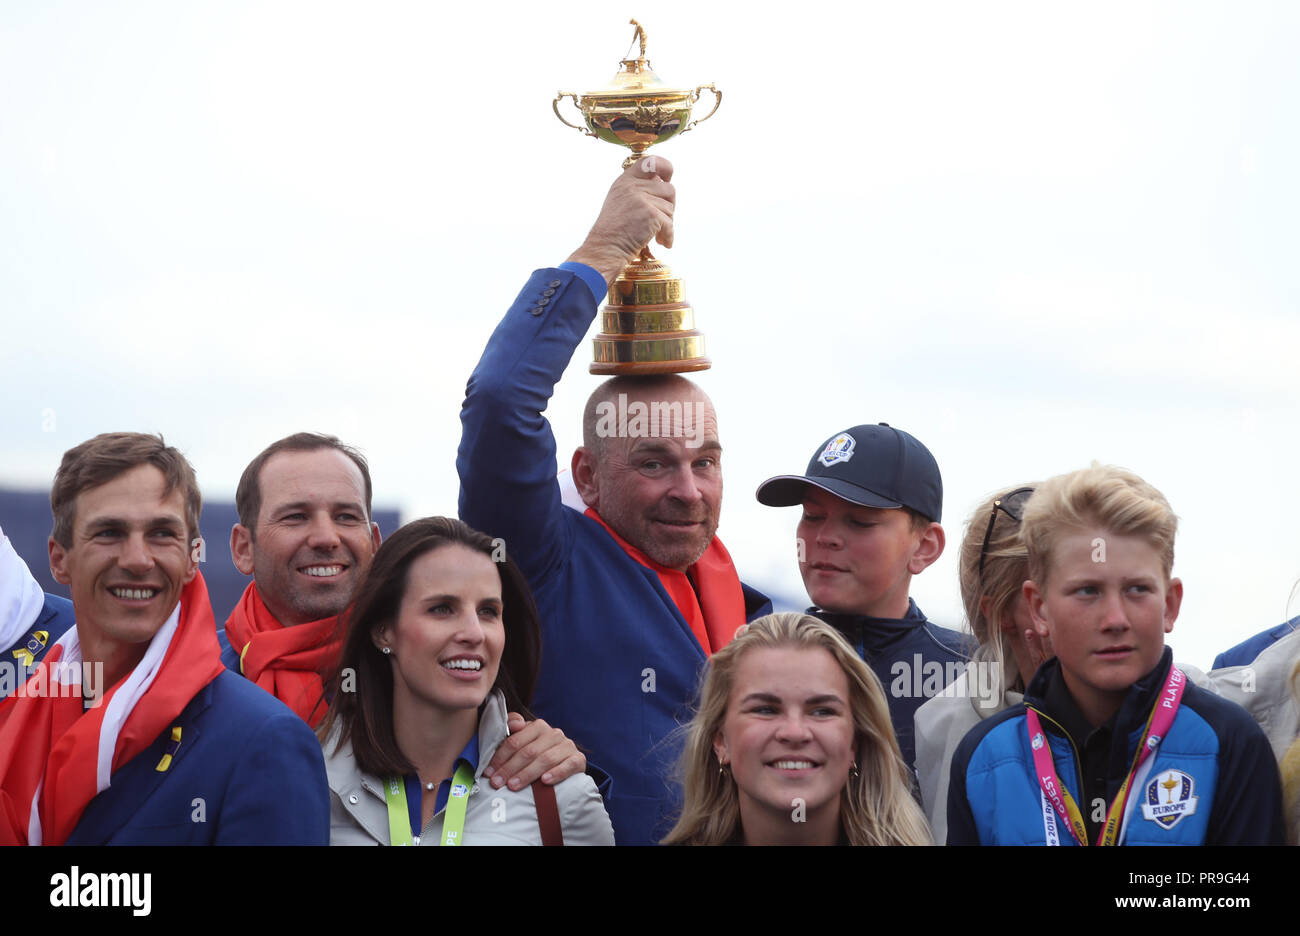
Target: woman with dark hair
point(442, 639)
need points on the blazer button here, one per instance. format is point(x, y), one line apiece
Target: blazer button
point(542, 301)
point(353, 799)
point(538, 310)
point(549, 292)
point(555, 284)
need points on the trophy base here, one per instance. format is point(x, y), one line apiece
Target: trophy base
point(630, 355)
point(648, 368)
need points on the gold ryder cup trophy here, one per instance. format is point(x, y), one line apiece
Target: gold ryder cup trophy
point(648, 327)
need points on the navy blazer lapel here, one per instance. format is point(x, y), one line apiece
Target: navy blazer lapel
point(135, 782)
point(683, 627)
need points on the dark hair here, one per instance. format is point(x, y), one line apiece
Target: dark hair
point(920, 522)
point(364, 713)
point(101, 459)
point(248, 496)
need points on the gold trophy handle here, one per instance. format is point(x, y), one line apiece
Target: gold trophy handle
point(555, 106)
point(695, 96)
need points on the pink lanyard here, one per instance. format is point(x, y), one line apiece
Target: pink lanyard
point(1054, 792)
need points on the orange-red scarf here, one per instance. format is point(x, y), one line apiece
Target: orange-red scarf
point(51, 743)
point(718, 610)
point(287, 662)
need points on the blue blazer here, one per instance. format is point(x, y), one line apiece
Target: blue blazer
point(1246, 651)
point(55, 618)
point(620, 665)
point(247, 771)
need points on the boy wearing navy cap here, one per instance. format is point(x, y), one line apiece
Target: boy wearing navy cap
point(872, 499)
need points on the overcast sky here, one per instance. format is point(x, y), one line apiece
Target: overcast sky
point(1030, 235)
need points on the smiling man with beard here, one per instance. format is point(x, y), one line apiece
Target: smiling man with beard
point(306, 537)
point(635, 592)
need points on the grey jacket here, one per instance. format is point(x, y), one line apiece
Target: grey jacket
point(1264, 688)
point(359, 814)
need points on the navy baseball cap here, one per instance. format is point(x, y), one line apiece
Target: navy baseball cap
point(873, 466)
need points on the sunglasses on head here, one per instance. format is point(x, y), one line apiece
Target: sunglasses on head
point(1011, 504)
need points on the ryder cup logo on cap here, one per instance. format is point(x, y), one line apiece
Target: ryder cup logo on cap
point(838, 449)
point(1168, 798)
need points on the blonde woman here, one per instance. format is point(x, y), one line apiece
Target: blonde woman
point(792, 745)
point(992, 567)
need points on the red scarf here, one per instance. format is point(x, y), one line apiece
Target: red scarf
point(718, 610)
point(53, 740)
point(285, 661)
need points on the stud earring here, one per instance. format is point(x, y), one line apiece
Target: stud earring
point(387, 650)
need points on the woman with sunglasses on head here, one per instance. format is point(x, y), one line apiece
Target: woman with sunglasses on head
point(793, 745)
point(992, 566)
point(442, 639)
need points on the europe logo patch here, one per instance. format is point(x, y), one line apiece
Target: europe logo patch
point(1169, 797)
point(459, 789)
point(35, 644)
point(838, 449)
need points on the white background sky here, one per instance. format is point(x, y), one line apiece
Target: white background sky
point(1032, 235)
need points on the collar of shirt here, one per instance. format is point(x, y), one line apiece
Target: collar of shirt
point(415, 793)
point(871, 635)
point(1104, 752)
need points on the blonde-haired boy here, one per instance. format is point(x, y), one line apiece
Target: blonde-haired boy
point(1112, 744)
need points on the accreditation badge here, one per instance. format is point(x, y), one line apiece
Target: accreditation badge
point(1168, 797)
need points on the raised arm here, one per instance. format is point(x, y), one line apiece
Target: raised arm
point(507, 458)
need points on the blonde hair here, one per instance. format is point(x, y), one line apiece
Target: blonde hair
point(1006, 566)
point(1114, 499)
point(876, 806)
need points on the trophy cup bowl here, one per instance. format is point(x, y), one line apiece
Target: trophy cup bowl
point(637, 110)
point(647, 327)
